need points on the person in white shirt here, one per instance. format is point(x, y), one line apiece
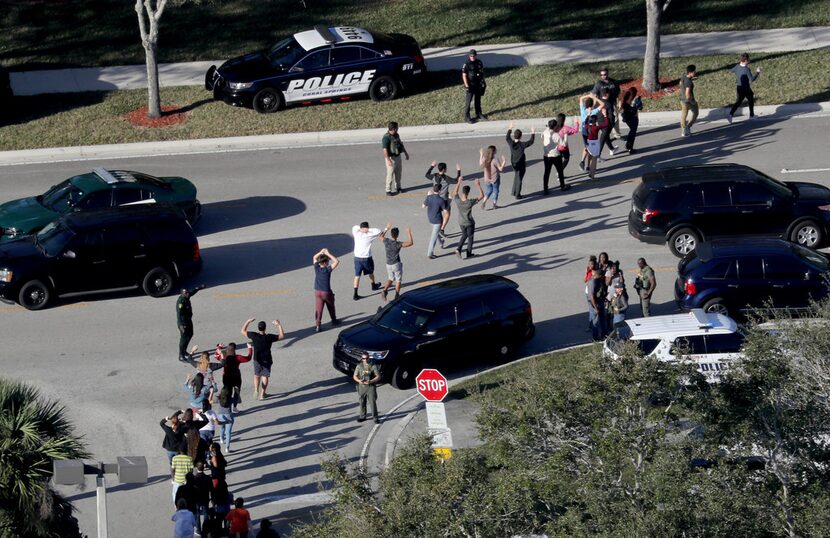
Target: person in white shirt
point(363, 262)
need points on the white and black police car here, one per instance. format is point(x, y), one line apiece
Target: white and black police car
point(325, 64)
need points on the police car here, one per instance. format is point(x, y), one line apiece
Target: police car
point(325, 64)
point(710, 341)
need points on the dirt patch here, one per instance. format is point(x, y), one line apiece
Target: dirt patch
point(667, 87)
point(170, 115)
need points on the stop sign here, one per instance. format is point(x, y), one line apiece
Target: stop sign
point(431, 384)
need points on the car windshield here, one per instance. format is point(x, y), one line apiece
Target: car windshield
point(61, 197)
point(622, 334)
point(779, 188)
point(813, 258)
point(53, 238)
point(403, 318)
point(285, 53)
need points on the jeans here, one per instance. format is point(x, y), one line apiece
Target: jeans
point(598, 321)
point(170, 454)
point(744, 93)
point(201, 516)
point(492, 188)
point(618, 318)
point(633, 123)
point(467, 232)
point(207, 436)
point(436, 228)
point(225, 434)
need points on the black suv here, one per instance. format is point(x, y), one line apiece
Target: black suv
point(150, 246)
point(683, 206)
point(728, 275)
point(441, 325)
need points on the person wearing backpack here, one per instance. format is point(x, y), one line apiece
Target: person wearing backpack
point(472, 75)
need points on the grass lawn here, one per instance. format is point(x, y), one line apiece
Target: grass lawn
point(49, 33)
point(528, 92)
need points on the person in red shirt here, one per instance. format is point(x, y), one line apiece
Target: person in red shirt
point(231, 376)
point(239, 518)
point(594, 130)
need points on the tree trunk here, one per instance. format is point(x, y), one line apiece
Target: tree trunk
point(651, 61)
point(153, 99)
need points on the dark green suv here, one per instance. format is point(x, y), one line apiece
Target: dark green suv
point(98, 189)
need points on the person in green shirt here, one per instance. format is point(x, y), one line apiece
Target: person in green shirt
point(367, 377)
point(645, 284)
point(179, 467)
point(392, 150)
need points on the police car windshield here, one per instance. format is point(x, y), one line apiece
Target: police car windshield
point(402, 318)
point(285, 53)
point(61, 197)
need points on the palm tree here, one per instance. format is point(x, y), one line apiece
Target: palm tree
point(33, 432)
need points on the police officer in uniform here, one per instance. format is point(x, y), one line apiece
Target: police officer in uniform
point(472, 74)
point(184, 320)
point(367, 377)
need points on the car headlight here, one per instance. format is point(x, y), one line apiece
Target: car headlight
point(377, 355)
point(240, 85)
point(5, 275)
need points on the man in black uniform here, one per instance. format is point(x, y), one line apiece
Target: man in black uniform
point(612, 87)
point(184, 320)
point(472, 74)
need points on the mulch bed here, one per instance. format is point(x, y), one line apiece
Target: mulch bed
point(667, 87)
point(170, 115)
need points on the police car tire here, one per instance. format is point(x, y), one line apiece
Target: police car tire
point(267, 100)
point(158, 282)
point(384, 88)
point(34, 295)
point(404, 376)
point(209, 77)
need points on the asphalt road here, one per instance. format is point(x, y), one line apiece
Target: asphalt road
point(112, 359)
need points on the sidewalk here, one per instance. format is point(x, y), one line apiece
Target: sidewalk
point(450, 58)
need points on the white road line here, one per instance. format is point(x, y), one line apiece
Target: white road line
point(803, 170)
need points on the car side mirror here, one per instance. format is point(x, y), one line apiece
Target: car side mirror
point(69, 254)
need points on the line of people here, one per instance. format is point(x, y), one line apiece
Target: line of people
point(607, 295)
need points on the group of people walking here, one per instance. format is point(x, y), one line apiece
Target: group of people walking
point(607, 295)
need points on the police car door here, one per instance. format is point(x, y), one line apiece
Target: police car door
point(305, 82)
point(350, 71)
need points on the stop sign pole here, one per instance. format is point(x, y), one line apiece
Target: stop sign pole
point(432, 385)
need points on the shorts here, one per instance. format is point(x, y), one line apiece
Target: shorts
point(364, 266)
point(261, 370)
point(394, 272)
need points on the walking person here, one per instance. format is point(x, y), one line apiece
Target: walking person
point(437, 216)
point(363, 262)
point(605, 134)
point(446, 182)
point(218, 464)
point(224, 416)
point(184, 521)
point(743, 88)
point(202, 484)
point(517, 156)
point(198, 391)
point(208, 431)
point(472, 75)
point(180, 467)
point(173, 436)
point(593, 137)
point(367, 376)
point(611, 87)
point(587, 107)
point(261, 342)
point(239, 519)
point(394, 265)
point(465, 216)
point(203, 367)
point(392, 150)
point(550, 152)
point(231, 374)
point(324, 262)
point(492, 168)
point(645, 284)
point(565, 131)
point(184, 319)
point(687, 100)
point(631, 107)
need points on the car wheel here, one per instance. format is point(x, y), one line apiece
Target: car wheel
point(404, 376)
point(683, 241)
point(715, 306)
point(267, 100)
point(157, 282)
point(807, 234)
point(383, 89)
point(34, 295)
point(211, 72)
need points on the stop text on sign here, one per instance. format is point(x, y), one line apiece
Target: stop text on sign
point(432, 385)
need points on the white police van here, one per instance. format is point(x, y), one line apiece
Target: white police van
point(321, 65)
point(711, 341)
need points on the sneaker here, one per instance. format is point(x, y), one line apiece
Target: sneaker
point(470, 120)
point(729, 119)
point(227, 450)
point(355, 296)
point(458, 254)
point(376, 286)
point(483, 117)
point(432, 256)
point(400, 190)
point(390, 194)
point(361, 418)
point(683, 132)
point(632, 151)
point(471, 255)
point(316, 328)
point(611, 151)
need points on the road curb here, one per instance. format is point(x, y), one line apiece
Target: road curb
point(356, 136)
point(401, 424)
